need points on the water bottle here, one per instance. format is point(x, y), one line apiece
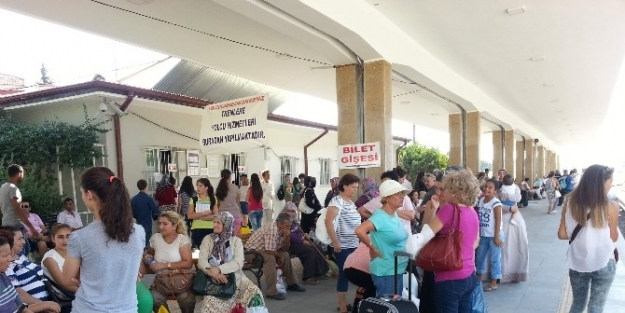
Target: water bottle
point(150, 259)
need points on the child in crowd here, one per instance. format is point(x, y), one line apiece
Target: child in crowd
point(54, 259)
point(509, 194)
point(491, 234)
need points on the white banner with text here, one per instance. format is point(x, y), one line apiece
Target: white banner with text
point(361, 155)
point(234, 125)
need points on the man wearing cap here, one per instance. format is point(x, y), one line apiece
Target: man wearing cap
point(384, 227)
point(406, 212)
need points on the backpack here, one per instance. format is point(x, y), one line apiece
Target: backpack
point(563, 184)
point(280, 193)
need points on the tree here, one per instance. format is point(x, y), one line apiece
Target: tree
point(416, 158)
point(40, 148)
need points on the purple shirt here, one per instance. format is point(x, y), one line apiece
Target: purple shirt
point(469, 225)
point(297, 235)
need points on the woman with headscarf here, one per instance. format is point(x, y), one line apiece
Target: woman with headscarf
point(369, 191)
point(308, 220)
point(221, 253)
point(313, 262)
point(166, 194)
point(333, 192)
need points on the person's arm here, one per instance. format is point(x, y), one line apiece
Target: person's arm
point(498, 211)
point(330, 215)
point(328, 198)
point(206, 247)
point(26, 297)
point(361, 232)
point(247, 195)
point(71, 266)
point(613, 220)
point(55, 271)
point(179, 206)
point(406, 212)
point(562, 228)
point(154, 209)
point(286, 242)
point(44, 306)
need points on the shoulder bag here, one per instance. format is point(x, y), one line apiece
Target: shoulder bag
point(444, 252)
point(173, 282)
point(203, 285)
point(303, 207)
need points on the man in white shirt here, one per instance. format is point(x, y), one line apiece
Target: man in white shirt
point(69, 216)
point(268, 194)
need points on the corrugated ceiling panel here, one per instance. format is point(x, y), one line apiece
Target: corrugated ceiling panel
point(194, 80)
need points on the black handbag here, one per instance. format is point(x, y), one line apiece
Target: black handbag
point(203, 285)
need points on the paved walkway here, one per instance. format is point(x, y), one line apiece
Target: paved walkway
point(547, 289)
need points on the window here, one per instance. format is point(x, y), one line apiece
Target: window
point(288, 165)
point(324, 171)
point(236, 164)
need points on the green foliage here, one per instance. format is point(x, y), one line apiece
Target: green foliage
point(416, 158)
point(35, 148)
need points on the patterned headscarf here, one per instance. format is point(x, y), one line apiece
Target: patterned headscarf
point(291, 206)
point(164, 183)
point(222, 239)
point(370, 188)
point(334, 182)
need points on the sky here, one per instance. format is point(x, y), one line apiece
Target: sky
point(73, 56)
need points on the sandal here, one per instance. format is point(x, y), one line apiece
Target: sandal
point(349, 308)
point(489, 288)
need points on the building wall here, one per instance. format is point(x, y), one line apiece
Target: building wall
point(157, 125)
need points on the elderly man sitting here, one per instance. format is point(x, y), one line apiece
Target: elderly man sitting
point(272, 241)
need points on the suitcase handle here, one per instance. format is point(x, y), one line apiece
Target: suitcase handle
point(398, 254)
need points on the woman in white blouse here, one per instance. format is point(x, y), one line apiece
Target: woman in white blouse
point(589, 221)
point(170, 249)
point(54, 259)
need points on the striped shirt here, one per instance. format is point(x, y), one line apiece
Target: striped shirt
point(185, 202)
point(27, 275)
point(347, 221)
point(9, 300)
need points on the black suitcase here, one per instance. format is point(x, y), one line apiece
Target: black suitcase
point(387, 304)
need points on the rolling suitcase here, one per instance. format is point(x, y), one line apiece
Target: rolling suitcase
point(387, 304)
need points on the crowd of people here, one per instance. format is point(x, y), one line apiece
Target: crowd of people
point(363, 233)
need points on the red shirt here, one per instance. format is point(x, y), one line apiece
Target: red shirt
point(252, 204)
point(167, 196)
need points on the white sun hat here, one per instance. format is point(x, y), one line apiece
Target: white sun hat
point(391, 187)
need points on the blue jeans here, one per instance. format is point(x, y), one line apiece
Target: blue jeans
point(256, 218)
point(342, 283)
point(454, 296)
point(385, 285)
point(599, 282)
point(487, 246)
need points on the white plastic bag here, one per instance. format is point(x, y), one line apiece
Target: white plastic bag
point(280, 282)
point(414, 287)
point(415, 242)
point(258, 309)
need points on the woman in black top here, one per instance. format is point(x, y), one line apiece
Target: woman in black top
point(308, 220)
